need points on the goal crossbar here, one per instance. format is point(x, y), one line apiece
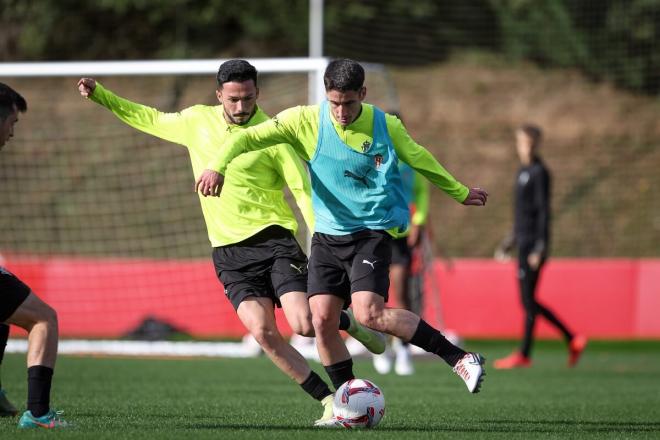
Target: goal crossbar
point(314, 66)
point(154, 67)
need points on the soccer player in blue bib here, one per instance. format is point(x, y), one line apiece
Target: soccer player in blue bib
point(352, 150)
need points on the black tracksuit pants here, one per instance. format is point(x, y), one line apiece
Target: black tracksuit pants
point(528, 280)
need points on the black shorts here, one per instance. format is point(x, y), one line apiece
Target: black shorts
point(266, 265)
point(344, 264)
point(12, 293)
point(401, 252)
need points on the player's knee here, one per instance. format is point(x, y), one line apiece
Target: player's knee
point(323, 324)
point(303, 327)
point(530, 306)
point(51, 316)
point(47, 314)
point(265, 337)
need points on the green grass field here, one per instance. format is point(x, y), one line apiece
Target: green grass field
point(613, 393)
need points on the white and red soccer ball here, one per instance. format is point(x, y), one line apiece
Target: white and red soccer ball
point(359, 403)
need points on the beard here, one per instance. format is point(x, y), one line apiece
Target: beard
point(240, 118)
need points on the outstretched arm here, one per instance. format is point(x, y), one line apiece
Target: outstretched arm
point(423, 161)
point(279, 130)
point(168, 126)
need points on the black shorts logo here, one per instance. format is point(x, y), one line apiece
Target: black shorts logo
point(298, 268)
point(370, 263)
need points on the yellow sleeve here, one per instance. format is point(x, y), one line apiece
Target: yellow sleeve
point(421, 199)
point(295, 175)
point(168, 126)
point(420, 159)
point(282, 129)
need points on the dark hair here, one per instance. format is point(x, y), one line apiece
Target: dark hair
point(10, 99)
point(236, 71)
point(533, 132)
point(343, 75)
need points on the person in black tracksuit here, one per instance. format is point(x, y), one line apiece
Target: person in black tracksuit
point(531, 234)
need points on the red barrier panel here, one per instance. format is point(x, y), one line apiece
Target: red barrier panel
point(647, 317)
point(480, 298)
point(476, 298)
point(108, 298)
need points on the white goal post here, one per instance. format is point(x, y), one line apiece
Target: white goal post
point(314, 66)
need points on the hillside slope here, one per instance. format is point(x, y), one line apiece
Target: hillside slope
point(77, 181)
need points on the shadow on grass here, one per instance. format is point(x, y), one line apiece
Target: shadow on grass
point(535, 426)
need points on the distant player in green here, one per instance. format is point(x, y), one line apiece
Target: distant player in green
point(416, 193)
point(20, 306)
point(352, 151)
point(251, 227)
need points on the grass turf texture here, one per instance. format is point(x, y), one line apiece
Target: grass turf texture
point(613, 393)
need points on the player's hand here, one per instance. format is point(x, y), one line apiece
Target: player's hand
point(534, 260)
point(414, 236)
point(476, 197)
point(209, 183)
point(86, 86)
point(501, 255)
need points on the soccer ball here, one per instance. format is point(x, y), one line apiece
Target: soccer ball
point(358, 403)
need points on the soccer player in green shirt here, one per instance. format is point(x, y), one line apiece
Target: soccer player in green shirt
point(416, 193)
point(251, 227)
point(352, 150)
point(20, 306)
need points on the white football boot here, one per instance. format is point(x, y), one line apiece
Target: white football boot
point(403, 365)
point(470, 369)
point(383, 362)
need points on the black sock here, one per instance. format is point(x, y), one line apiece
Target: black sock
point(340, 372)
point(4, 335)
point(344, 320)
point(315, 387)
point(433, 341)
point(39, 380)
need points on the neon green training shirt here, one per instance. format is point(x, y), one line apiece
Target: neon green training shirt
point(299, 127)
point(252, 197)
point(421, 199)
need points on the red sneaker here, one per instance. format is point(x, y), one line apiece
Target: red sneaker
point(575, 349)
point(514, 360)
